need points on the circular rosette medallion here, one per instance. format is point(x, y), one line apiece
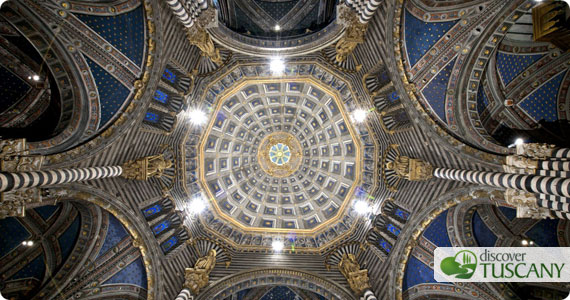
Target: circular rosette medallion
point(279, 154)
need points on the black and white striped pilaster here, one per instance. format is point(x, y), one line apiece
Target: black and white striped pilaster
point(22, 180)
point(552, 173)
point(364, 8)
point(189, 11)
point(555, 206)
point(554, 165)
point(561, 153)
point(184, 295)
point(562, 215)
point(369, 295)
point(529, 183)
point(554, 198)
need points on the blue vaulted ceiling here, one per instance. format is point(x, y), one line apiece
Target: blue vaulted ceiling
point(134, 273)
point(124, 31)
point(115, 234)
point(483, 235)
point(309, 16)
point(417, 272)
point(112, 94)
point(435, 91)
point(542, 103)
point(30, 262)
point(510, 65)
point(420, 36)
point(12, 89)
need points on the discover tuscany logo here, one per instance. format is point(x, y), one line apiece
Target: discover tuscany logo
point(502, 264)
point(462, 265)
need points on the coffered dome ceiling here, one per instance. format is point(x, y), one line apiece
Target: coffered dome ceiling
point(280, 154)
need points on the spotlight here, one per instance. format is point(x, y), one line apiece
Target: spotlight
point(197, 205)
point(361, 207)
point(277, 27)
point(28, 243)
point(359, 115)
point(519, 141)
point(524, 242)
point(277, 65)
point(277, 245)
point(197, 117)
point(2, 2)
point(36, 78)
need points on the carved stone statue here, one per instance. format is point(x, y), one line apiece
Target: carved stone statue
point(410, 168)
point(146, 167)
point(526, 204)
point(353, 35)
point(357, 279)
point(522, 162)
point(520, 198)
point(198, 277)
point(200, 38)
point(535, 150)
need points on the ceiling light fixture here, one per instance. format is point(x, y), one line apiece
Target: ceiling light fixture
point(361, 207)
point(359, 115)
point(197, 205)
point(519, 141)
point(277, 246)
point(197, 116)
point(277, 65)
point(28, 243)
point(36, 78)
point(277, 27)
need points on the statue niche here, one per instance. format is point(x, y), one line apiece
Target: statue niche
point(357, 279)
point(198, 277)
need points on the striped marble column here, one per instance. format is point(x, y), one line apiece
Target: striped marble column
point(364, 8)
point(369, 295)
point(562, 215)
point(530, 183)
point(189, 11)
point(184, 295)
point(561, 153)
point(555, 203)
point(554, 165)
point(22, 180)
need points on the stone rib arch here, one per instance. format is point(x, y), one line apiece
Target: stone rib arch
point(271, 277)
point(134, 225)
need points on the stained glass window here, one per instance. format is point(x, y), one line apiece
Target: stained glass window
point(168, 75)
point(385, 245)
point(160, 227)
point(402, 214)
point(151, 211)
point(161, 96)
point(151, 117)
point(169, 244)
point(393, 229)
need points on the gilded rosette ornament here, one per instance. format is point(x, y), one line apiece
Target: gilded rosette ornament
point(279, 154)
point(353, 35)
point(198, 277)
point(357, 278)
